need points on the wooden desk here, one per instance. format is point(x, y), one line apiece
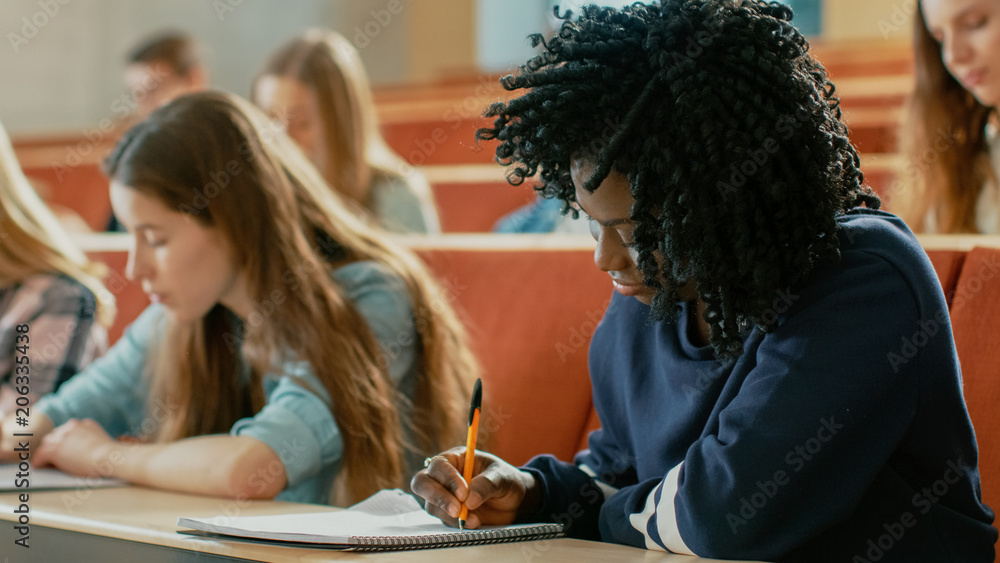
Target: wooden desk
point(137, 524)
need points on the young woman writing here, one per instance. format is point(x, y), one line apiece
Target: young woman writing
point(754, 398)
point(290, 350)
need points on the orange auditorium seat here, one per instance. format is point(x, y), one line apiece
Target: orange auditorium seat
point(530, 312)
point(974, 312)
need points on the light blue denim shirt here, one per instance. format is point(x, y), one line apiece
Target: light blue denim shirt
point(295, 422)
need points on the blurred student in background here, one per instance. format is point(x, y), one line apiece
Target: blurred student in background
point(290, 350)
point(54, 310)
point(543, 215)
point(162, 67)
point(317, 87)
point(950, 137)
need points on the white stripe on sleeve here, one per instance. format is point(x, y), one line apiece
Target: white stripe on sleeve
point(666, 518)
point(607, 489)
point(640, 520)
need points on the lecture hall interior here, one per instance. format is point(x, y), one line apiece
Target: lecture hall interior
point(529, 302)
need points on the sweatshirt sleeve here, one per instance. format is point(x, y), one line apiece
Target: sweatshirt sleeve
point(821, 408)
point(111, 390)
point(574, 493)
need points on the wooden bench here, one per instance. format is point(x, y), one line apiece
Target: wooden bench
point(471, 198)
point(861, 57)
point(433, 125)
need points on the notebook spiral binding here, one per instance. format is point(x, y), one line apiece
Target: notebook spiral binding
point(469, 537)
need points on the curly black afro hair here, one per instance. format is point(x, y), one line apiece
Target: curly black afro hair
point(728, 131)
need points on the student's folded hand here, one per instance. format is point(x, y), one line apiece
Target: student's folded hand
point(11, 446)
point(497, 494)
point(78, 447)
point(7, 444)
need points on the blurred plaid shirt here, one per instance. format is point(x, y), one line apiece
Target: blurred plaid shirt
point(63, 336)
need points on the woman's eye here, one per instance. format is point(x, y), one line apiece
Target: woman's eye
point(627, 236)
point(297, 124)
point(970, 22)
point(976, 22)
point(595, 229)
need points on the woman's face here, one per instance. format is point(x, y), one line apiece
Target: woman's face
point(289, 102)
point(180, 263)
point(153, 85)
point(969, 33)
point(609, 210)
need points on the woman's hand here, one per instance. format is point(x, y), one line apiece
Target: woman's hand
point(497, 494)
point(79, 447)
point(12, 448)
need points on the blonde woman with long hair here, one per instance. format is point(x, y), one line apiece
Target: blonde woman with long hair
point(317, 87)
point(291, 350)
point(52, 302)
point(951, 137)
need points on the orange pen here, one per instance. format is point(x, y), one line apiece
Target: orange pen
point(470, 444)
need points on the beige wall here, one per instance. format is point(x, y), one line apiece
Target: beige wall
point(442, 39)
point(867, 19)
point(66, 75)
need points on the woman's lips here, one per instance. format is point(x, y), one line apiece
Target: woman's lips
point(974, 78)
point(629, 289)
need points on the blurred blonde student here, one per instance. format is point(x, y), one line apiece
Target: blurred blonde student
point(291, 351)
point(950, 136)
point(317, 86)
point(52, 302)
point(161, 67)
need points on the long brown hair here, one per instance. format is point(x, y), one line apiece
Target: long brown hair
point(33, 242)
point(944, 140)
point(283, 225)
point(328, 65)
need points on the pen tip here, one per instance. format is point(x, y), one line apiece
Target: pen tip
point(461, 524)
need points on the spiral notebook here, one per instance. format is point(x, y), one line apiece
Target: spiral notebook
point(388, 520)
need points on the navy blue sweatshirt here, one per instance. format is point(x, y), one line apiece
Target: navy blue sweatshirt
point(839, 435)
